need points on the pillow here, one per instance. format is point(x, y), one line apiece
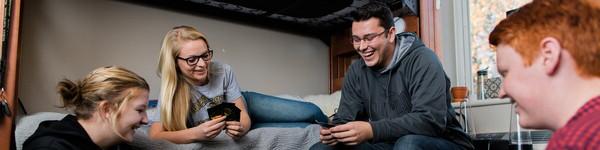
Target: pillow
point(27, 125)
point(327, 102)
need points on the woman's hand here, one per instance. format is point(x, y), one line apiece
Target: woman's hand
point(235, 129)
point(209, 129)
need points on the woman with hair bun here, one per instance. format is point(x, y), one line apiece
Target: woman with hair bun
point(107, 105)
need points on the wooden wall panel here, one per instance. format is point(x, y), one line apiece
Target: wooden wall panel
point(429, 25)
point(7, 126)
point(340, 52)
point(412, 24)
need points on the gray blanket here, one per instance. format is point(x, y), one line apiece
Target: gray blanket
point(260, 138)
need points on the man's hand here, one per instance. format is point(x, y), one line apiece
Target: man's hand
point(326, 137)
point(235, 129)
point(352, 133)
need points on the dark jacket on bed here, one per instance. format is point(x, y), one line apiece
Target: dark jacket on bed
point(409, 96)
point(66, 134)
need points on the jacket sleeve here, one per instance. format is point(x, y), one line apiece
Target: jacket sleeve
point(426, 85)
point(48, 143)
point(350, 103)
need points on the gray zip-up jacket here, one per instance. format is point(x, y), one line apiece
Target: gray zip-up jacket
point(409, 96)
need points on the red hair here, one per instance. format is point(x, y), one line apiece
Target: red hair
point(574, 23)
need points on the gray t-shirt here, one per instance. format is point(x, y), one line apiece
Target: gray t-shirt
point(222, 87)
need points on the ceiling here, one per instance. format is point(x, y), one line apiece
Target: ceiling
point(306, 16)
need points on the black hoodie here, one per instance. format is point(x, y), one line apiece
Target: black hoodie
point(66, 134)
point(409, 96)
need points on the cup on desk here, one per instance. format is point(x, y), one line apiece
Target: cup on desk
point(519, 138)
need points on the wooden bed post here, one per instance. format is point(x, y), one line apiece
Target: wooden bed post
point(10, 85)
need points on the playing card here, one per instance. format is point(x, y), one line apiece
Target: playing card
point(228, 110)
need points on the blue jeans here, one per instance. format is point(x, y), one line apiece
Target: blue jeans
point(271, 111)
point(407, 142)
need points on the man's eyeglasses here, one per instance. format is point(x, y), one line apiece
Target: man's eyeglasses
point(367, 38)
point(193, 60)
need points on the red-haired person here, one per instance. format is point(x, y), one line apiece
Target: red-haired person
point(549, 55)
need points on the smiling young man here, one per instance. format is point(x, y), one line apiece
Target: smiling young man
point(549, 54)
point(397, 96)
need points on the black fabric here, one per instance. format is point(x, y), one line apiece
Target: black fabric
point(66, 134)
point(324, 15)
point(412, 97)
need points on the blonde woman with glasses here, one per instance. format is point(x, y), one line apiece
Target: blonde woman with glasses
point(109, 104)
point(190, 84)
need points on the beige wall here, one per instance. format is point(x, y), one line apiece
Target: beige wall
point(69, 38)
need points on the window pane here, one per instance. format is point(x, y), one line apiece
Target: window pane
point(484, 15)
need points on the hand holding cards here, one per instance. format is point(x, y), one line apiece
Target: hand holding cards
point(228, 110)
point(325, 124)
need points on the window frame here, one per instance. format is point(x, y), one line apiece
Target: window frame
point(462, 45)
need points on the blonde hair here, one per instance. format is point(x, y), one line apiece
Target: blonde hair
point(175, 89)
point(113, 84)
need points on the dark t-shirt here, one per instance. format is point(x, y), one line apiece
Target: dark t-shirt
point(66, 134)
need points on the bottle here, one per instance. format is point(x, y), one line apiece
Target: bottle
point(481, 76)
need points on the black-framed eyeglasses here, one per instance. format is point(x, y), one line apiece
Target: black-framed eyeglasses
point(193, 60)
point(367, 38)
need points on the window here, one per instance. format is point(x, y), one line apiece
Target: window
point(483, 16)
point(473, 22)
